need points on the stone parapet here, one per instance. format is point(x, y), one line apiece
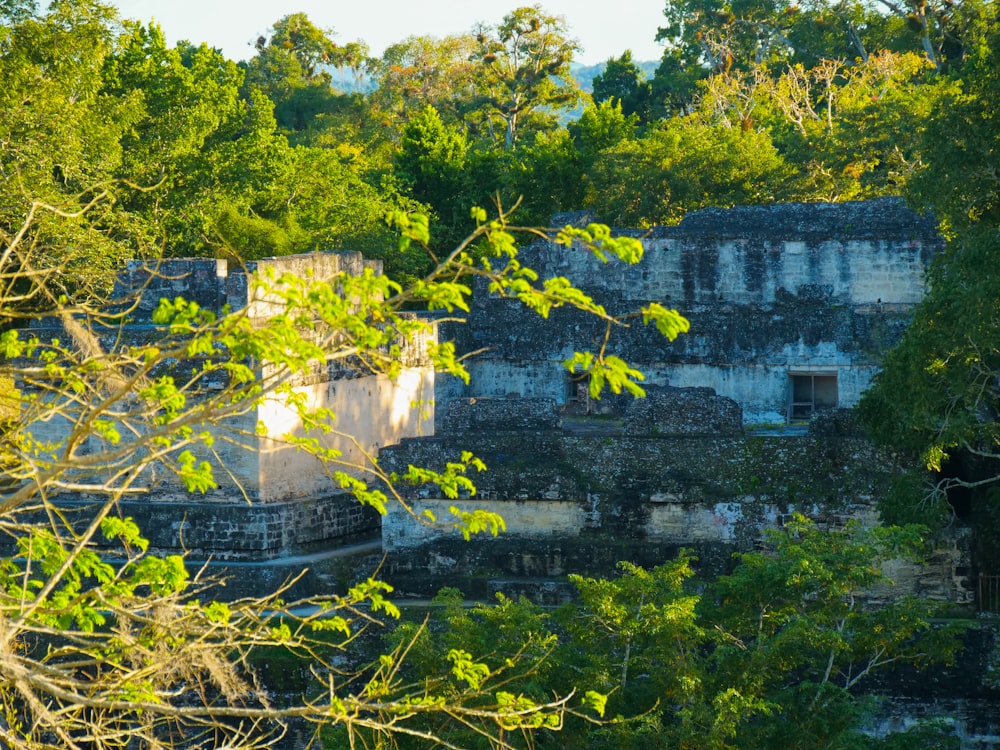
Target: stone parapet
point(231, 531)
point(469, 414)
point(683, 411)
point(771, 292)
point(880, 218)
point(214, 283)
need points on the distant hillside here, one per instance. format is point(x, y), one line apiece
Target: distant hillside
point(584, 74)
point(345, 83)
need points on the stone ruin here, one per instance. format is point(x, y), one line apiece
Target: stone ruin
point(792, 307)
point(746, 420)
point(687, 412)
point(273, 501)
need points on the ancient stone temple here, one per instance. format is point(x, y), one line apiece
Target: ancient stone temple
point(792, 307)
point(746, 419)
point(272, 500)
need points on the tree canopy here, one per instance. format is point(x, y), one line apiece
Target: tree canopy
point(115, 145)
point(937, 394)
point(524, 68)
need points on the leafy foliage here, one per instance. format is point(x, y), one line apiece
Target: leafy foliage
point(291, 69)
point(764, 657)
point(683, 165)
point(421, 72)
point(145, 412)
point(936, 395)
point(799, 638)
point(524, 68)
point(622, 82)
point(114, 144)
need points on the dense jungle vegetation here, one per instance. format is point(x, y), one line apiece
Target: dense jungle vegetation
point(114, 145)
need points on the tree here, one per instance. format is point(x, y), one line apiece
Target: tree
point(936, 395)
point(793, 638)
point(497, 632)
point(233, 185)
point(944, 30)
point(432, 164)
point(854, 130)
point(763, 657)
point(329, 200)
point(959, 147)
point(706, 38)
point(61, 142)
point(196, 137)
point(766, 656)
point(638, 636)
point(139, 651)
point(716, 36)
point(681, 165)
point(524, 68)
point(291, 68)
point(422, 72)
point(720, 36)
point(850, 131)
point(621, 81)
point(551, 172)
point(17, 10)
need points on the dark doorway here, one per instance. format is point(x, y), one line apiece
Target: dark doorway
point(809, 393)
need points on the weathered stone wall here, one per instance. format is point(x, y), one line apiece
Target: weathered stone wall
point(466, 415)
point(272, 498)
point(859, 253)
point(678, 473)
point(769, 291)
point(817, 288)
point(230, 532)
point(372, 410)
point(963, 696)
point(683, 411)
point(677, 488)
point(212, 283)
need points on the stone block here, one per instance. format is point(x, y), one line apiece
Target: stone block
point(468, 414)
point(683, 411)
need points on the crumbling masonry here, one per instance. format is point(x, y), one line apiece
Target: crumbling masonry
point(791, 307)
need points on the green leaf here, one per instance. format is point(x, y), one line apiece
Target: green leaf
point(595, 701)
point(668, 322)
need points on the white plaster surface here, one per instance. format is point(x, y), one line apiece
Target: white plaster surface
point(370, 412)
point(858, 272)
point(523, 520)
point(669, 520)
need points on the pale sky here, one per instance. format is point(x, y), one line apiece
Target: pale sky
point(604, 28)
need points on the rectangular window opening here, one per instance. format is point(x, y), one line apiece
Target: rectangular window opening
point(578, 393)
point(809, 393)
